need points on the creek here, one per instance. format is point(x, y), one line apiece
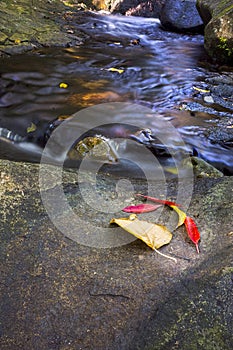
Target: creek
point(120, 59)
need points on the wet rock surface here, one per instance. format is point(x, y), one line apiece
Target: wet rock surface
point(215, 98)
point(59, 294)
point(137, 7)
point(26, 25)
point(220, 88)
point(181, 16)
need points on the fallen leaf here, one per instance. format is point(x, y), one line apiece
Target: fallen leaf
point(67, 3)
point(200, 90)
point(63, 85)
point(171, 170)
point(169, 203)
point(135, 42)
point(141, 208)
point(31, 128)
point(120, 71)
point(63, 117)
point(181, 214)
point(192, 231)
point(154, 235)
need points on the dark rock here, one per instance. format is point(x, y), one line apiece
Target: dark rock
point(221, 89)
point(137, 7)
point(59, 294)
point(222, 133)
point(217, 16)
point(181, 16)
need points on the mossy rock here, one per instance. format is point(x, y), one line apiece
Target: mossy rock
point(218, 15)
point(25, 22)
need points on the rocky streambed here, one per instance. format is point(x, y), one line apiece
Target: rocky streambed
point(67, 291)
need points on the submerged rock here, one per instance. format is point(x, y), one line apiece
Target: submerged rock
point(181, 16)
point(218, 18)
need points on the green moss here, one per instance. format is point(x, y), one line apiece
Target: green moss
point(201, 331)
point(224, 45)
point(227, 270)
point(222, 9)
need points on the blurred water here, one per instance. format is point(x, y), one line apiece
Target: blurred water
point(122, 59)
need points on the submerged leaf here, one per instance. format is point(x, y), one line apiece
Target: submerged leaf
point(94, 84)
point(31, 128)
point(154, 235)
point(181, 214)
point(92, 98)
point(141, 208)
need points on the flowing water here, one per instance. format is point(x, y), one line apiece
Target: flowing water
point(121, 59)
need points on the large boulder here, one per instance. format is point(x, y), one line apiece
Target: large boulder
point(57, 293)
point(218, 18)
point(181, 16)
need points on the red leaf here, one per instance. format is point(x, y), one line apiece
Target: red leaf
point(141, 208)
point(169, 203)
point(192, 230)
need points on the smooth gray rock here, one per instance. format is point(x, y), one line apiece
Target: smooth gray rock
point(181, 16)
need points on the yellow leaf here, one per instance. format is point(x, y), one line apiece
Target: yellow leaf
point(31, 128)
point(154, 235)
point(181, 215)
point(17, 41)
point(63, 85)
point(200, 90)
point(171, 170)
point(63, 117)
point(120, 71)
point(67, 3)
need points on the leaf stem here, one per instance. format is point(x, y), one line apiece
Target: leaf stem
point(164, 255)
